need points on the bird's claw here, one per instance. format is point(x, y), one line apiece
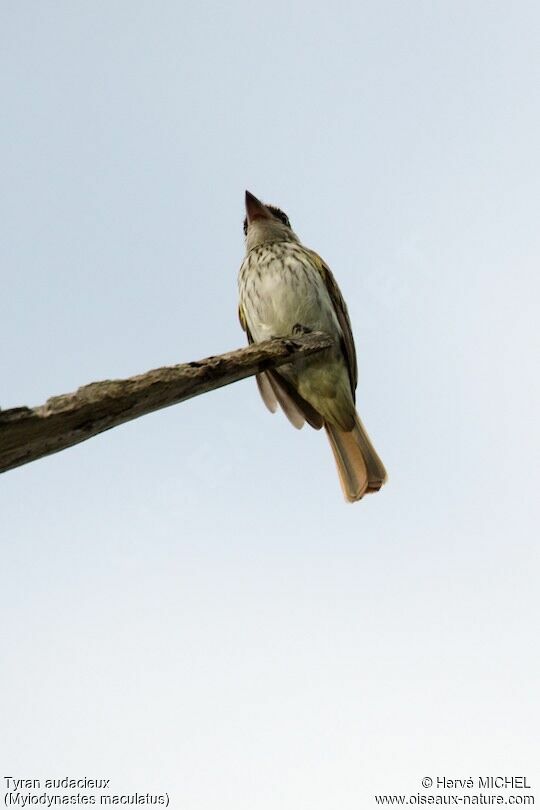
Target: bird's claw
point(300, 329)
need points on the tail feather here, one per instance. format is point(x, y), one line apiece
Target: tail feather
point(360, 469)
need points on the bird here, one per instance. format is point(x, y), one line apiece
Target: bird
point(286, 288)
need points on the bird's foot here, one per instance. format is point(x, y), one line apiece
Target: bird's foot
point(300, 329)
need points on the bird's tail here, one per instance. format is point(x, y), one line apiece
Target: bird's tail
point(360, 469)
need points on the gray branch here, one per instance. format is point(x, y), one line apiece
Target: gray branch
point(27, 434)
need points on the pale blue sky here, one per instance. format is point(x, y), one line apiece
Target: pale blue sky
point(188, 604)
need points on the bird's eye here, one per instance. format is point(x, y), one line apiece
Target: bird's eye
point(285, 219)
point(279, 214)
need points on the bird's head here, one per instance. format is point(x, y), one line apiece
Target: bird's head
point(265, 223)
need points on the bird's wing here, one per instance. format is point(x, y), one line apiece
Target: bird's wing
point(274, 389)
point(263, 383)
point(243, 322)
point(342, 314)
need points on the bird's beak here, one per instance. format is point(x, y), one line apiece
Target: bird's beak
point(255, 208)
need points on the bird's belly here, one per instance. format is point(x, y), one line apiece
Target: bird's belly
point(282, 298)
point(280, 292)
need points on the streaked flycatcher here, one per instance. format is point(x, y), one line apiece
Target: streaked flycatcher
point(286, 288)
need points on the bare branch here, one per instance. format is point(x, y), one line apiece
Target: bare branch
point(27, 434)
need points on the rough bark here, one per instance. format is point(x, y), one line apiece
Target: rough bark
point(27, 434)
